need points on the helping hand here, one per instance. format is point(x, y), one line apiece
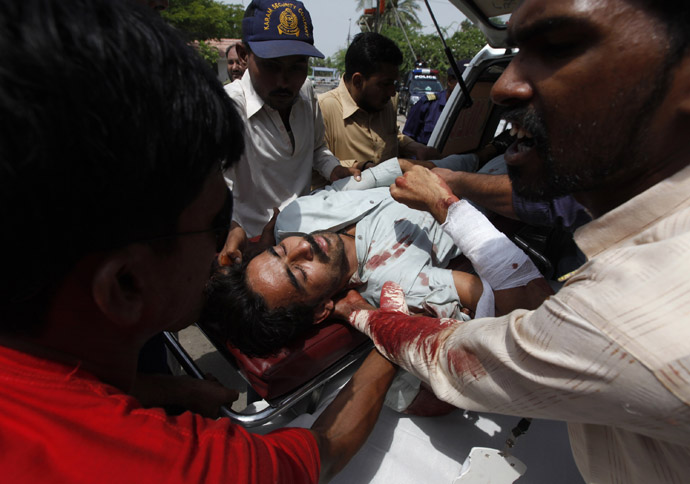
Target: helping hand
point(344, 172)
point(351, 301)
point(234, 246)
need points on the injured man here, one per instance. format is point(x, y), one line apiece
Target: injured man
point(355, 235)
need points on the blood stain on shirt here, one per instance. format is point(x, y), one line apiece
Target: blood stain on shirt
point(378, 260)
point(424, 279)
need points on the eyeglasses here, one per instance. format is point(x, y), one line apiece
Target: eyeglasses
point(220, 225)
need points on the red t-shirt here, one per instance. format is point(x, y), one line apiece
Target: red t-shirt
point(61, 425)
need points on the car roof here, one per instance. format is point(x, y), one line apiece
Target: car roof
point(481, 13)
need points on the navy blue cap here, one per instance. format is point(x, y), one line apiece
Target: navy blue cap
point(278, 29)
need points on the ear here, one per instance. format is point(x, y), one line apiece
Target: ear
point(357, 80)
point(118, 289)
point(684, 73)
point(323, 310)
point(241, 52)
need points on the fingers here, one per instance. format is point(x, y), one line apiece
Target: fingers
point(392, 301)
point(267, 234)
point(393, 298)
point(228, 258)
point(234, 245)
point(350, 302)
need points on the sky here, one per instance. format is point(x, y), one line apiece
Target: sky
point(333, 18)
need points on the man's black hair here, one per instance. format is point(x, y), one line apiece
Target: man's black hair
point(241, 316)
point(109, 126)
point(231, 46)
point(367, 52)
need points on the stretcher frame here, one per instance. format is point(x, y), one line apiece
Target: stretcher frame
point(310, 389)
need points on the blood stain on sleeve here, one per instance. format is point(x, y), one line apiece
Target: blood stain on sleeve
point(463, 362)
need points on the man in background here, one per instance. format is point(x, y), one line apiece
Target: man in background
point(236, 66)
point(359, 115)
point(424, 113)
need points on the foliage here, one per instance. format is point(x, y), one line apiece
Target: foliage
point(205, 19)
point(464, 44)
point(209, 53)
point(406, 12)
point(337, 61)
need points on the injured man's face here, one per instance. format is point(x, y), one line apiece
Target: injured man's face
point(304, 269)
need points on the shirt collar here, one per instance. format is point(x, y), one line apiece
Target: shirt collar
point(349, 105)
point(628, 220)
point(253, 100)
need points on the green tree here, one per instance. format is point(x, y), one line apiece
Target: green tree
point(403, 10)
point(205, 19)
point(209, 53)
point(464, 44)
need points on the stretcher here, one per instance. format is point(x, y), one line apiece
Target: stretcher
point(296, 374)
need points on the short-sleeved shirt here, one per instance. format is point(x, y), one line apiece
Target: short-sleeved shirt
point(272, 171)
point(423, 117)
point(60, 424)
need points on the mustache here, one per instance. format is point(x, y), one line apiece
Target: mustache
point(528, 119)
point(281, 92)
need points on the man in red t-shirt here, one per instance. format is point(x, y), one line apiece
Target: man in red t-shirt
point(113, 207)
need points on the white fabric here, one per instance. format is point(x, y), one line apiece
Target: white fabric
point(609, 353)
point(380, 175)
point(493, 256)
point(486, 306)
point(271, 172)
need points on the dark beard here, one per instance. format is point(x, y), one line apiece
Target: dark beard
point(605, 166)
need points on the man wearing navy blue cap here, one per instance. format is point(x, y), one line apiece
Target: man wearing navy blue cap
point(285, 132)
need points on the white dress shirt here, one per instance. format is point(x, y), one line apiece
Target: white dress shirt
point(272, 172)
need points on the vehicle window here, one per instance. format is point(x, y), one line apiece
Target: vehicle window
point(426, 85)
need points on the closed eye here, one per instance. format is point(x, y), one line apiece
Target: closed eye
point(291, 277)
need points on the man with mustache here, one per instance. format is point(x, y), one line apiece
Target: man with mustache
point(344, 237)
point(360, 116)
point(599, 95)
point(283, 122)
point(109, 233)
point(236, 66)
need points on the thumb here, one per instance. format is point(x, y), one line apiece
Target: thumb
point(393, 299)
